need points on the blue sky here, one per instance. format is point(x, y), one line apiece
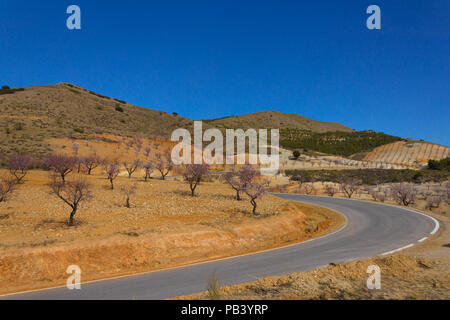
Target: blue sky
point(208, 59)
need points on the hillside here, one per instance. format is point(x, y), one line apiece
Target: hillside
point(275, 119)
point(334, 142)
point(408, 153)
point(30, 116)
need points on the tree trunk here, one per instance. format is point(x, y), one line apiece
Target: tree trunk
point(112, 184)
point(253, 202)
point(72, 214)
point(128, 202)
point(238, 196)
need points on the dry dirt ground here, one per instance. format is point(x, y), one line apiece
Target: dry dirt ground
point(420, 272)
point(164, 227)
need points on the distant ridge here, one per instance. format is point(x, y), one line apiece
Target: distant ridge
point(30, 116)
point(275, 119)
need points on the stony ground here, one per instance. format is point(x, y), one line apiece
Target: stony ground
point(420, 272)
point(164, 227)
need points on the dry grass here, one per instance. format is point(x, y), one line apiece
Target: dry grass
point(164, 227)
point(420, 272)
point(402, 277)
point(62, 111)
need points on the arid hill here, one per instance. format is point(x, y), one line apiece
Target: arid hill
point(275, 119)
point(30, 117)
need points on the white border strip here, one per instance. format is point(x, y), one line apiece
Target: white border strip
point(436, 222)
point(423, 239)
point(397, 250)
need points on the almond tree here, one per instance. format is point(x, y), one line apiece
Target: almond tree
point(148, 168)
point(7, 186)
point(232, 178)
point(164, 164)
point(250, 183)
point(91, 162)
point(18, 166)
point(404, 194)
point(75, 148)
point(60, 164)
point(254, 191)
point(137, 142)
point(128, 190)
point(433, 201)
point(239, 179)
point(308, 188)
point(112, 170)
point(330, 190)
point(72, 192)
point(147, 152)
point(300, 178)
point(75, 151)
point(349, 186)
point(132, 166)
point(193, 174)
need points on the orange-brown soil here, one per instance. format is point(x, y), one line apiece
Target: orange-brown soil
point(164, 227)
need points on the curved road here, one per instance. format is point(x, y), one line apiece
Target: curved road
point(371, 229)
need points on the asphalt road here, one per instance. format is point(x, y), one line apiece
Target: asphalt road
point(371, 229)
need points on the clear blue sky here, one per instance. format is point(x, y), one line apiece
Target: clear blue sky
point(208, 59)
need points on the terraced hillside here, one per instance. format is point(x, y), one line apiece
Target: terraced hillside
point(408, 153)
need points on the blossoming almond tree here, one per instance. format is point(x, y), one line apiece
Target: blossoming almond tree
point(193, 174)
point(72, 192)
point(112, 170)
point(18, 166)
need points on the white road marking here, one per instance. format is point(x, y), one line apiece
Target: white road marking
point(436, 222)
point(423, 239)
point(397, 250)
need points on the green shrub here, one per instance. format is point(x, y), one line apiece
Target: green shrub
point(443, 164)
point(119, 108)
point(296, 154)
point(78, 130)
point(369, 176)
point(338, 142)
point(213, 287)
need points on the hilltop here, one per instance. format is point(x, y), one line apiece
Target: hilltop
point(275, 119)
